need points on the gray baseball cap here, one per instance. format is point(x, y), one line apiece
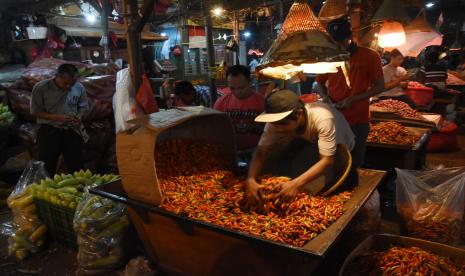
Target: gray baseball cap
point(278, 105)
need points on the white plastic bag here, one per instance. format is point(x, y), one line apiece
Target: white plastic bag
point(125, 106)
point(431, 203)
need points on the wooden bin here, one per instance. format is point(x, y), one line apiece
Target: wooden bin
point(136, 152)
point(183, 246)
point(381, 242)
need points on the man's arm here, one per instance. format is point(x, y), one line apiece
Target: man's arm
point(54, 117)
point(255, 166)
point(37, 107)
point(392, 84)
point(291, 189)
point(377, 88)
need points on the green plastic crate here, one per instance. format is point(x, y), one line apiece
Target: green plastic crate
point(59, 221)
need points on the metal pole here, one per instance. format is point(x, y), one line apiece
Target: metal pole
point(236, 36)
point(210, 49)
point(133, 41)
point(281, 11)
point(105, 40)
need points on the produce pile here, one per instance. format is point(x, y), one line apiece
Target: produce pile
point(432, 222)
point(28, 232)
point(417, 85)
point(391, 133)
point(404, 261)
point(194, 186)
point(6, 117)
point(400, 108)
point(100, 225)
point(67, 190)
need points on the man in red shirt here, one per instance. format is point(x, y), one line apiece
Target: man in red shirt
point(243, 104)
point(366, 81)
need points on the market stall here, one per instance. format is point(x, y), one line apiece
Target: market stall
point(184, 240)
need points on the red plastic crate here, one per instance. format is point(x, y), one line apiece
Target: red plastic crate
point(421, 95)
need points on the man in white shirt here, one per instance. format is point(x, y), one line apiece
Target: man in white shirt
point(394, 75)
point(286, 116)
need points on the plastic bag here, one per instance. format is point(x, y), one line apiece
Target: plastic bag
point(100, 225)
point(138, 266)
point(26, 232)
point(431, 203)
point(145, 97)
point(124, 103)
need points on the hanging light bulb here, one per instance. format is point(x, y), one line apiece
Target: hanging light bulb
point(391, 35)
point(219, 36)
point(225, 37)
point(218, 11)
point(91, 18)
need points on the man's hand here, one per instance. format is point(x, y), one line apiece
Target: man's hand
point(75, 122)
point(288, 190)
point(252, 192)
point(405, 77)
point(63, 118)
point(346, 103)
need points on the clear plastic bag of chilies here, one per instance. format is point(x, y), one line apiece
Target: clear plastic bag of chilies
point(100, 225)
point(26, 232)
point(431, 203)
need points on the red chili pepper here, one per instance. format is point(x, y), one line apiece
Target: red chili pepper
point(199, 189)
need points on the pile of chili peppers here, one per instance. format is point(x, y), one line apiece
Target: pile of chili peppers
point(391, 133)
point(444, 229)
point(432, 221)
point(400, 108)
point(217, 196)
point(405, 261)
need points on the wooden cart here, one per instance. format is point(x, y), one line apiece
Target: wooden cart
point(183, 246)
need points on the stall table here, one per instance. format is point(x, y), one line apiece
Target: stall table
point(183, 246)
point(432, 121)
point(387, 156)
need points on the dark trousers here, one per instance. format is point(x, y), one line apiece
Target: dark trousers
point(358, 152)
point(54, 141)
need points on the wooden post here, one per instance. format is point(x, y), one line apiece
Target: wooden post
point(133, 41)
point(105, 38)
point(210, 49)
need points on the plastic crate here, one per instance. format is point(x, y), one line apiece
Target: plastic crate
point(59, 221)
point(420, 95)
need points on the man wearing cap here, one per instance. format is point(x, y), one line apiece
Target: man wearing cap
point(286, 116)
point(366, 80)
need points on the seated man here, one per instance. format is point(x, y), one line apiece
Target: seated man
point(243, 104)
point(286, 116)
point(433, 74)
point(185, 94)
point(394, 75)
